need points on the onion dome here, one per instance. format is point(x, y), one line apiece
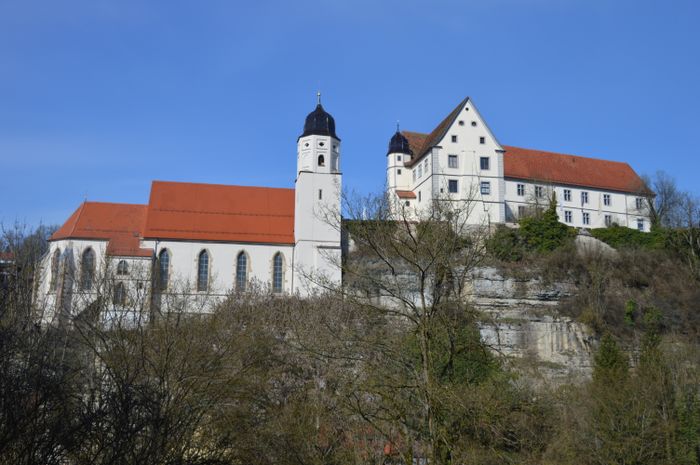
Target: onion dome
point(319, 123)
point(399, 144)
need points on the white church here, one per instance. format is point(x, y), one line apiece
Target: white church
point(209, 239)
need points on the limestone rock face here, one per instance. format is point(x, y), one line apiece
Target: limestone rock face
point(520, 320)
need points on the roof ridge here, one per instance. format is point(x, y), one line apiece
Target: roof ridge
point(220, 185)
point(506, 147)
point(441, 129)
point(77, 219)
point(93, 202)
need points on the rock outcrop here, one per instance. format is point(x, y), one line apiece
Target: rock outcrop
point(520, 320)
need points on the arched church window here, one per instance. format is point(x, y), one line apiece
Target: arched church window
point(55, 260)
point(122, 267)
point(241, 271)
point(119, 297)
point(163, 270)
point(321, 161)
point(203, 271)
point(87, 270)
point(277, 273)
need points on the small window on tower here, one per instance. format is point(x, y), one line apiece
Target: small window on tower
point(321, 161)
point(473, 124)
point(482, 140)
point(454, 138)
point(461, 123)
point(398, 171)
point(321, 144)
point(320, 194)
point(398, 157)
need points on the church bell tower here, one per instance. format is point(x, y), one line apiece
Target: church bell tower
point(317, 211)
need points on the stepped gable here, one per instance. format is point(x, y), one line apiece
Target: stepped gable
point(572, 170)
point(120, 224)
point(215, 212)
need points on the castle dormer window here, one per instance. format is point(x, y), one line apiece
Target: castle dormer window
point(321, 161)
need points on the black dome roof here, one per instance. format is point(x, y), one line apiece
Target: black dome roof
point(399, 144)
point(319, 123)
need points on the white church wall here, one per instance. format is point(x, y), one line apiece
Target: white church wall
point(67, 286)
point(184, 259)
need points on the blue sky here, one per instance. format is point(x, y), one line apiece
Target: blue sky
point(100, 97)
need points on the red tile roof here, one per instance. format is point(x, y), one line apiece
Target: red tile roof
point(434, 138)
point(416, 140)
point(549, 167)
point(119, 223)
point(214, 212)
point(406, 194)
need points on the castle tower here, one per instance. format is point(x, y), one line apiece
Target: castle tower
point(397, 176)
point(398, 153)
point(317, 210)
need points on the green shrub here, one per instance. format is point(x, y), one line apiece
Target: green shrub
point(545, 233)
point(622, 237)
point(506, 244)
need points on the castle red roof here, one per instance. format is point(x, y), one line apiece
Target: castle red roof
point(215, 212)
point(572, 170)
point(406, 194)
point(119, 223)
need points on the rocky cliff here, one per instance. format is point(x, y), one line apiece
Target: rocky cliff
point(520, 320)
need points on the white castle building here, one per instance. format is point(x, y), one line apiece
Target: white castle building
point(462, 160)
point(208, 239)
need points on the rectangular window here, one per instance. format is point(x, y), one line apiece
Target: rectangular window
point(398, 157)
point(452, 186)
point(452, 161)
point(567, 195)
point(484, 163)
point(408, 203)
point(640, 224)
point(608, 220)
point(521, 211)
point(398, 171)
point(568, 218)
point(485, 188)
point(482, 140)
point(320, 194)
point(539, 192)
point(606, 199)
point(521, 189)
point(639, 203)
point(419, 196)
point(454, 138)
point(425, 166)
point(584, 198)
point(586, 218)
point(420, 170)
